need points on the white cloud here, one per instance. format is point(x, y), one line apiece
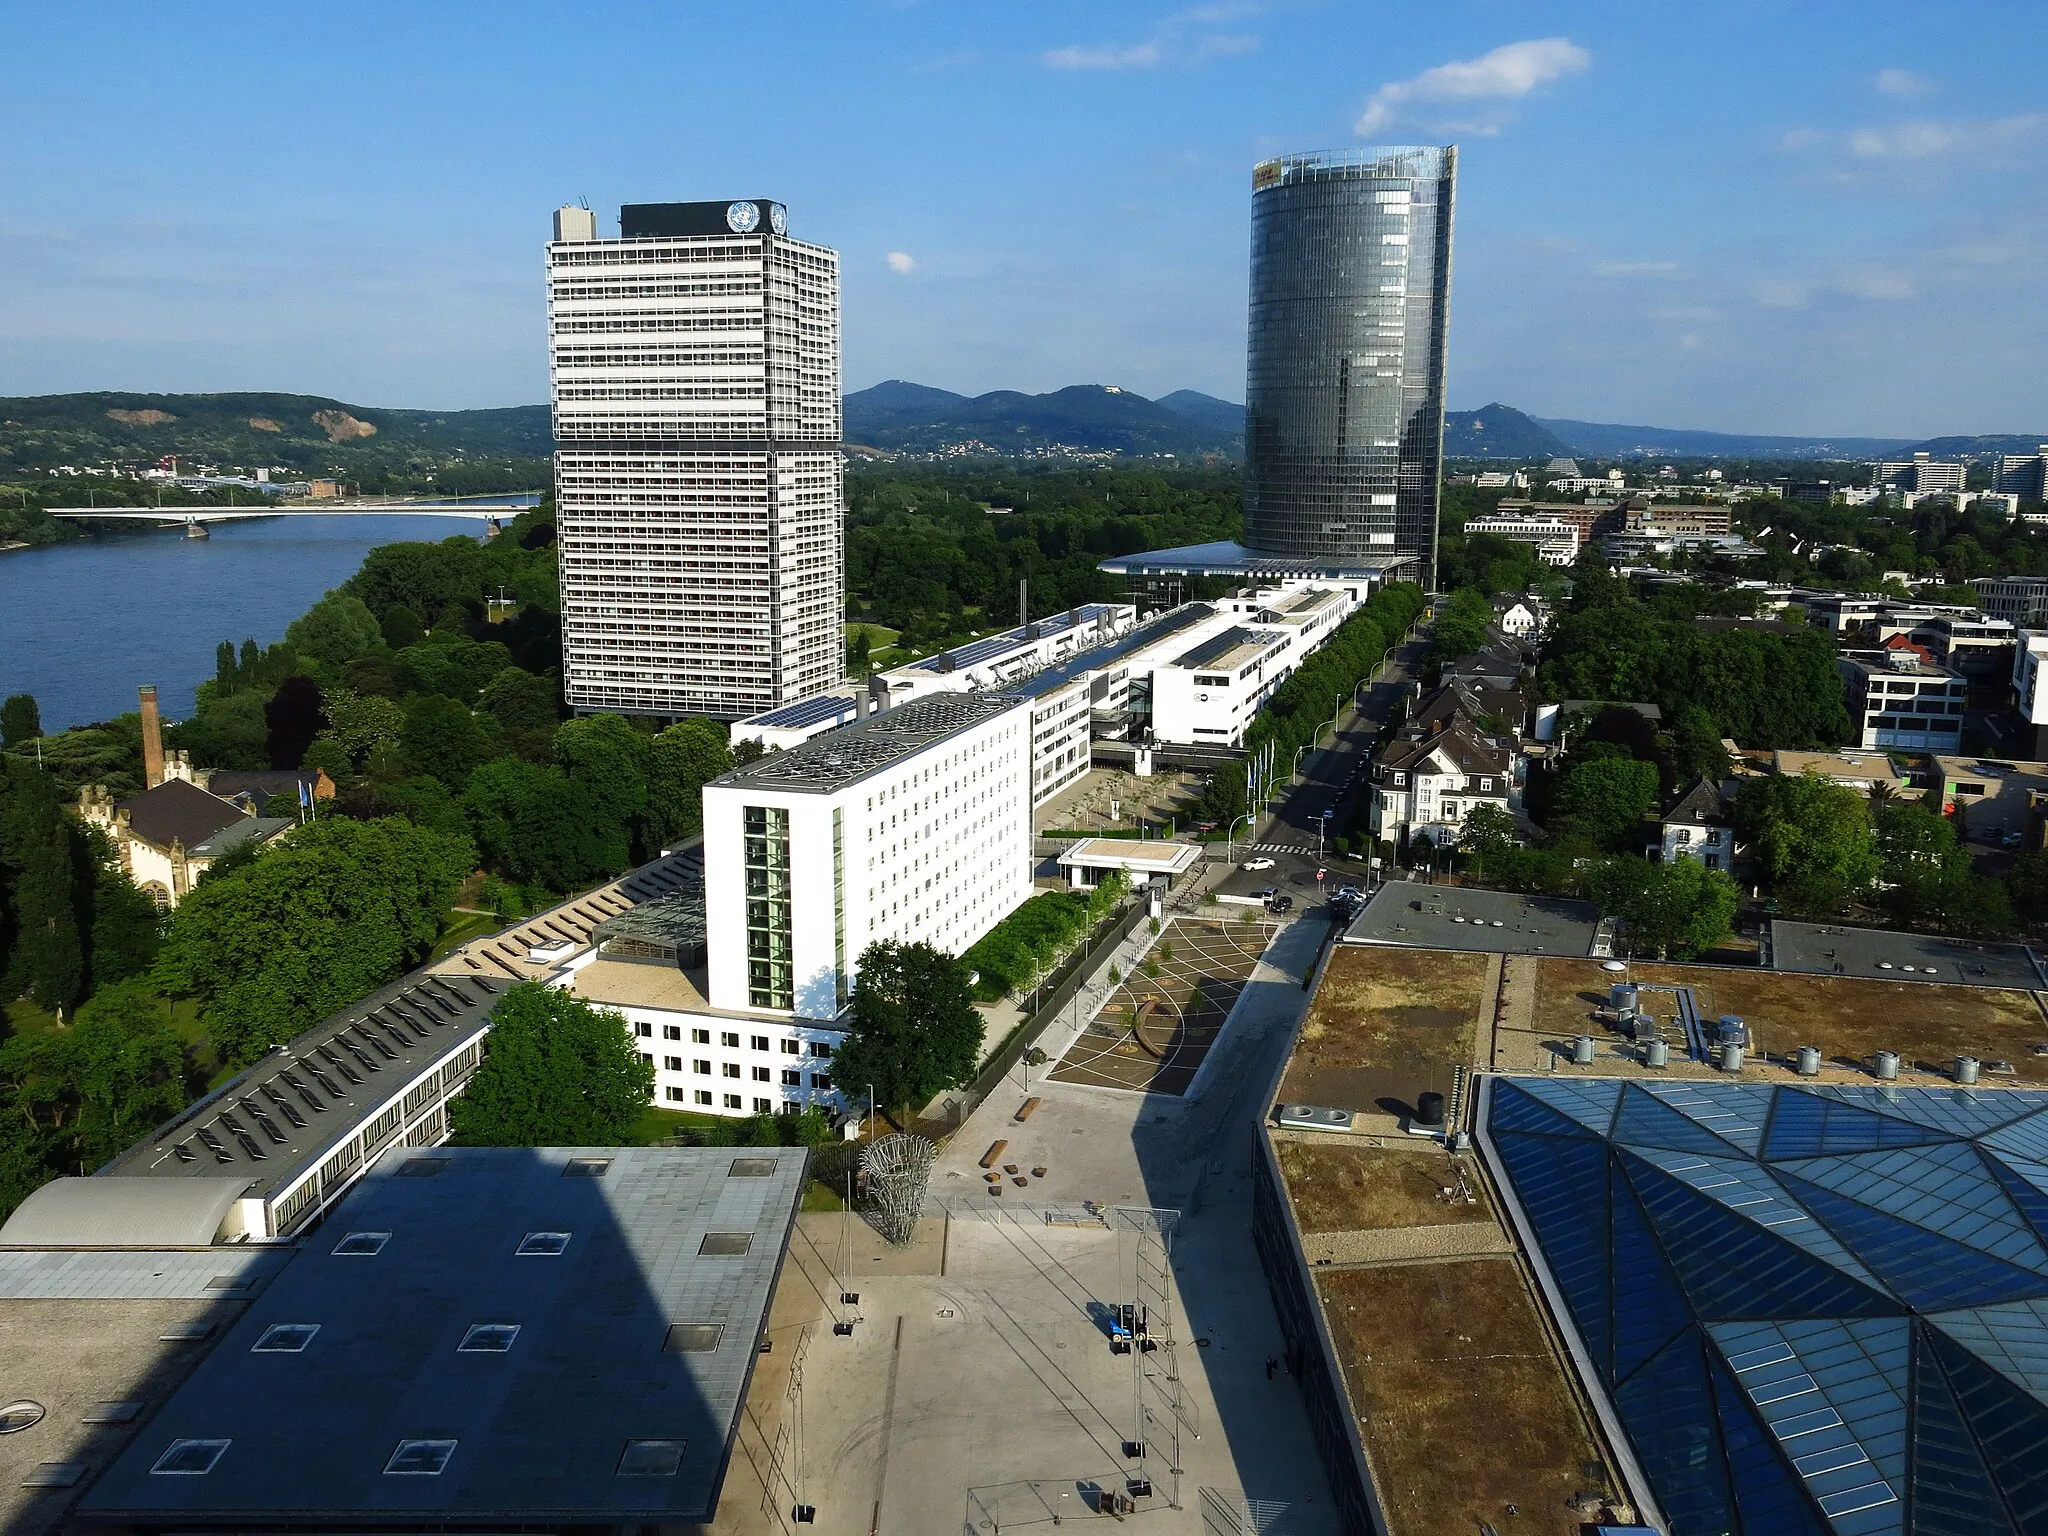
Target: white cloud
point(1920, 138)
point(1138, 56)
point(902, 261)
point(1184, 37)
point(1509, 73)
point(1903, 82)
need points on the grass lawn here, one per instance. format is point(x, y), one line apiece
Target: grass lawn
point(458, 928)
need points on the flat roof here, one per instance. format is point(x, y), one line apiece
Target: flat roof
point(507, 953)
point(638, 1305)
point(988, 647)
point(640, 984)
point(1888, 955)
point(842, 757)
point(1131, 853)
point(1096, 658)
point(291, 1108)
point(1228, 650)
point(1408, 913)
point(1226, 557)
point(826, 706)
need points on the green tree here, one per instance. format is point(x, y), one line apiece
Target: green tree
point(227, 677)
point(527, 708)
point(108, 1080)
point(1677, 910)
point(1488, 833)
point(529, 822)
point(20, 720)
point(334, 632)
point(401, 627)
point(49, 958)
point(913, 1029)
point(333, 912)
point(1604, 801)
point(426, 578)
point(1460, 625)
point(681, 761)
point(606, 761)
point(445, 739)
point(227, 731)
point(556, 1072)
point(361, 722)
point(23, 1167)
point(126, 929)
point(1811, 839)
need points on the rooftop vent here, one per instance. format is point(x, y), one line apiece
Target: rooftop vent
point(752, 1168)
point(586, 1167)
point(651, 1458)
point(1314, 1117)
point(421, 1167)
point(725, 1244)
point(693, 1338)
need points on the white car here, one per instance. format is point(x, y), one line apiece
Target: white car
point(1250, 865)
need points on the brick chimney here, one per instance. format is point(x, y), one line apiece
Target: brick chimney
point(152, 738)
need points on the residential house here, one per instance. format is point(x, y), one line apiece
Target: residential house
point(1496, 664)
point(167, 836)
point(1520, 617)
point(1429, 781)
point(1699, 825)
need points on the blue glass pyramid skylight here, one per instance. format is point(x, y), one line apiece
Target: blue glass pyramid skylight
point(1815, 1308)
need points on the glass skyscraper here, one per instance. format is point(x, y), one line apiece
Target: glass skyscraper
point(1344, 391)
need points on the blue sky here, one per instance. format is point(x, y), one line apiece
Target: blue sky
point(1753, 216)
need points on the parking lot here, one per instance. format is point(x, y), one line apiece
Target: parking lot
point(1155, 1030)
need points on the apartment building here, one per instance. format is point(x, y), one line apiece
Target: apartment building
point(694, 369)
point(1429, 782)
point(1898, 699)
point(1923, 474)
point(2021, 601)
point(2024, 475)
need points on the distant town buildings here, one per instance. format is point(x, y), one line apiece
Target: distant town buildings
point(1556, 543)
point(695, 377)
point(1897, 698)
point(2024, 475)
point(1921, 474)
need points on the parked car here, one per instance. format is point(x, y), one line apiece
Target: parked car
point(1280, 904)
point(1251, 866)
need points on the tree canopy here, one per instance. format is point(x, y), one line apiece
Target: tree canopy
point(557, 1072)
point(913, 1030)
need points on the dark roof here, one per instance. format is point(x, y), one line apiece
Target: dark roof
point(245, 829)
point(228, 782)
point(615, 1402)
point(1469, 701)
point(176, 811)
point(1702, 804)
point(1465, 747)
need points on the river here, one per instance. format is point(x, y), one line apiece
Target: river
point(83, 622)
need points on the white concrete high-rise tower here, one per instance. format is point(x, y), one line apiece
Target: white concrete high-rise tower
point(694, 371)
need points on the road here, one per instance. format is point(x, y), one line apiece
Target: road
point(1327, 783)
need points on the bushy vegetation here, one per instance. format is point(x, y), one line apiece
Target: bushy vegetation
point(1026, 944)
point(557, 1072)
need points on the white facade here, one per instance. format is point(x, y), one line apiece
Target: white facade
point(1897, 701)
point(2028, 694)
point(913, 825)
point(721, 1066)
point(694, 370)
point(1557, 543)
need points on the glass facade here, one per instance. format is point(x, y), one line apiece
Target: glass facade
point(1815, 1308)
point(1344, 389)
point(771, 976)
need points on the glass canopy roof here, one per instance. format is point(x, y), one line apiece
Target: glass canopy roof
point(1815, 1308)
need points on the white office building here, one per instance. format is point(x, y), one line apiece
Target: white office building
point(912, 825)
point(694, 369)
point(1556, 542)
point(1897, 700)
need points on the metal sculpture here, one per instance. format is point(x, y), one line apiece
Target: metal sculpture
point(898, 1169)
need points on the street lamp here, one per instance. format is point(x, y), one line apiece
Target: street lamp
point(1230, 841)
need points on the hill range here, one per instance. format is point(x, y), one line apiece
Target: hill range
point(312, 434)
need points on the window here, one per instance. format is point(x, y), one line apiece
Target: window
point(730, 1068)
point(190, 1458)
point(651, 1458)
point(701, 1068)
point(759, 1042)
point(544, 1245)
point(791, 1047)
point(643, 1029)
point(700, 1037)
point(675, 1096)
point(488, 1338)
point(763, 1075)
point(361, 1245)
point(284, 1339)
point(771, 978)
point(752, 1168)
point(648, 1057)
point(672, 1063)
point(820, 1048)
point(704, 1097)
point(728, 1038)
point(792, 1078)
point(764, 1106)
point(419, 1458)
point(732, 1101)
point(671, 1031)
point(821, 1081)
point(693, 1338)
point(586, 1167)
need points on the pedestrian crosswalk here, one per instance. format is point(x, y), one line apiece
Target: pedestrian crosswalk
point(1281, 848)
